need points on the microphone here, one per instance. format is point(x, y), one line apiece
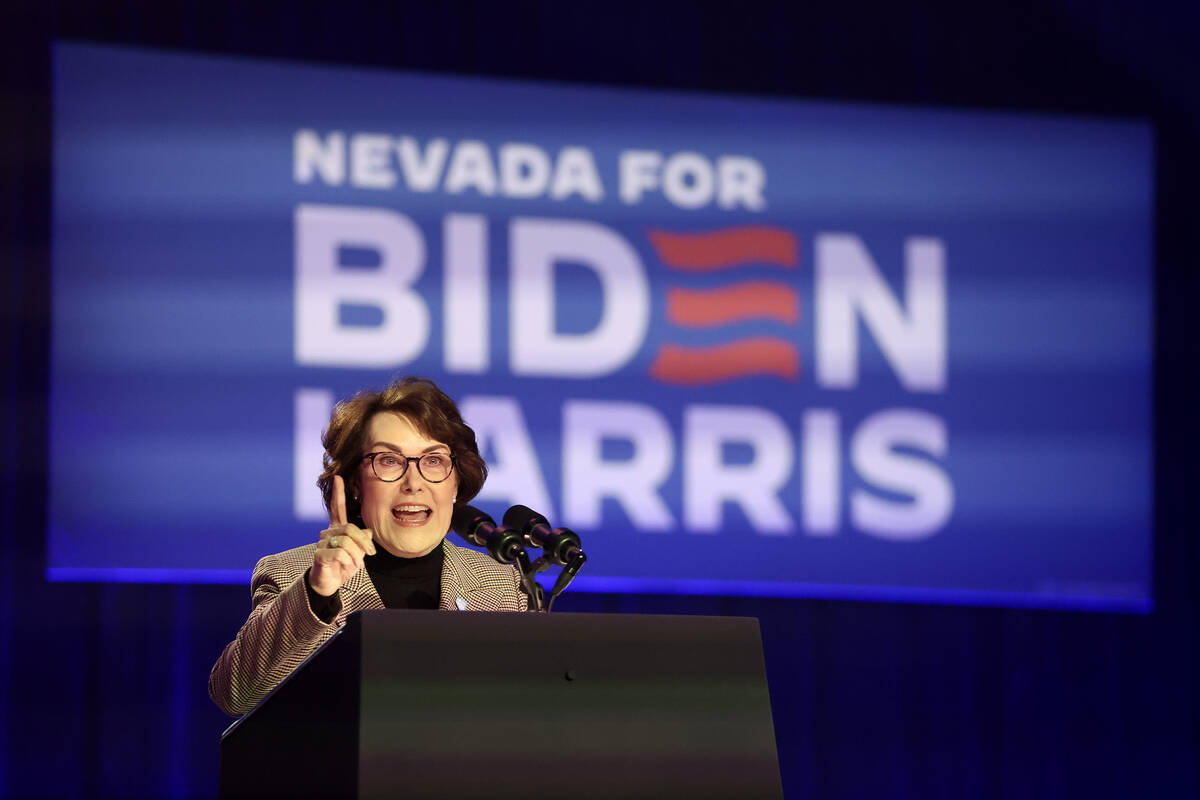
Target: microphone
point(481, 530)
point(559, 544)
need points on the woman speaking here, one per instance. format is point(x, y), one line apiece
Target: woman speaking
point(397, 462)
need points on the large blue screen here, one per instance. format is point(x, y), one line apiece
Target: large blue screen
point(741, 346)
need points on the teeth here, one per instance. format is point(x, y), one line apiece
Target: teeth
point(410, 508)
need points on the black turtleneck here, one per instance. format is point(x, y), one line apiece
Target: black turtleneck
point(401, 582)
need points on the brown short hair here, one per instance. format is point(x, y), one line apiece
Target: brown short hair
point(430, 411)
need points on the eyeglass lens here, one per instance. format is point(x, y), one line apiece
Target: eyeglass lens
point(433, 467)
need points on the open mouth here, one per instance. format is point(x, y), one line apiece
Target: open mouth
point(411, 514)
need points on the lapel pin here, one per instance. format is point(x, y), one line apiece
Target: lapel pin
point(462, 604)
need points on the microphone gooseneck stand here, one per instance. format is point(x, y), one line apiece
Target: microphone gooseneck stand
point(560, 545)
point(566, 576)
point(503, 544)
point(506, 543)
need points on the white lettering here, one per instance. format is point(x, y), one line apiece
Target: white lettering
point(369, 162)
point(311, 411)
point(323, 286)
point(471, 168)
point(465, 293)
point(848, 284)
point(536, 348)
point(524, 170)
point(821, 472)
point(503, 437)
point(688, 180)
point(310, 156)
point(633, 482)
point(639, 174)
point(576, 173)
point(421, 173)
point(875, 459)
point(740, 181)
point(709, 482)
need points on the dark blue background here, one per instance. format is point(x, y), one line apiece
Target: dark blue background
point(102, 686)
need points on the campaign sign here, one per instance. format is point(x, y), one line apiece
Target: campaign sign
point(740, 346)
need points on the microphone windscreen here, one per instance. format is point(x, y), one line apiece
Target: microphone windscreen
point(523, 519)
point(466, 519)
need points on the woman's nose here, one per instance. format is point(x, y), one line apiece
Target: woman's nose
point(411, 479)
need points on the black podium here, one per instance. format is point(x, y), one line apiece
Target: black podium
point(426, 704)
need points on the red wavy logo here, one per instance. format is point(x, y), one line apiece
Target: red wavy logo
point(707, 308)
point(714, 250)
point(755, 356)
point(726, 305)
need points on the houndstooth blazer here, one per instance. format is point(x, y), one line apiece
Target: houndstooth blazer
point(282, 630)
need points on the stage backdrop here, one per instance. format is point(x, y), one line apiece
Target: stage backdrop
point(740, 346)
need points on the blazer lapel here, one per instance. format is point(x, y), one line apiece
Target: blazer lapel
point(459, 583)
point(359, 593)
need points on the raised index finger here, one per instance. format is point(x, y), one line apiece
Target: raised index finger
point(337, 504)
